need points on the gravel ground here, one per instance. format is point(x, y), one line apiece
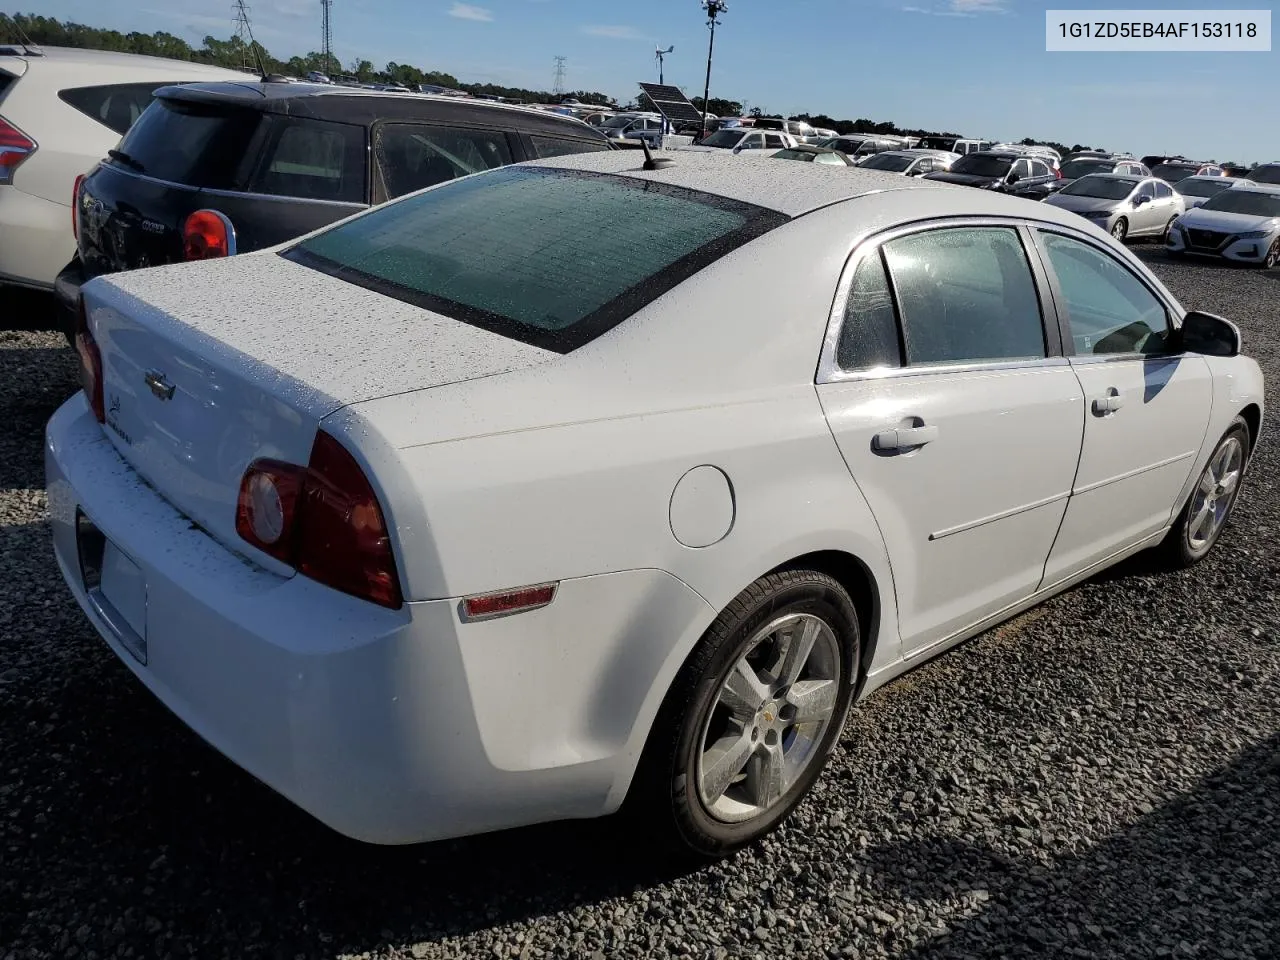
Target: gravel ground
point(1098, 778)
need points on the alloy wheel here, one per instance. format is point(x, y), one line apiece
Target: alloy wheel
point(1211, 502)
point(1273, 255)
point(769, 718)
point(1120, 229)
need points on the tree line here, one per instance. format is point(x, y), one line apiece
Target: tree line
point(235, 54)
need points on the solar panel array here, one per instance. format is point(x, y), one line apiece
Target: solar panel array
point(671, 103)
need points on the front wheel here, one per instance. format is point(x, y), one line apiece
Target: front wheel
point(750, 721)
point(1273, 255)
point(1164, 234)
point(1120, 229)
point(1206, 511)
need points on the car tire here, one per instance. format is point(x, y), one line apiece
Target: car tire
point(1208, 508)
point(1164, 234)
point(1120, 229)
point(687, 796)
point(1273, 255)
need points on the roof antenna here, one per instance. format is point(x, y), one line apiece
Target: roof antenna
point(29, 47)
point(651, 162)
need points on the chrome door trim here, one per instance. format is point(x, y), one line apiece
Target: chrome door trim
point(1002, 515)
point(1145, 468)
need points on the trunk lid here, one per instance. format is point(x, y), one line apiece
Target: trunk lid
point(209, 366)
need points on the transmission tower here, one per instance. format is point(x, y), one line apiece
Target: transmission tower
point(244, 33)
point(558, 89)
point(327, 46)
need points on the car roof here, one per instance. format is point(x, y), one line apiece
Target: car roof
point(359, 105)
point(919, 152)
point(1126, 177)
point(110, 58)
point(792, 189)
point(1250, 186)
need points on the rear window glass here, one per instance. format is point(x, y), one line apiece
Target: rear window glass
point(412, 156)
point(191, 143)
point(544, 147)
point(313, 160)
point(116, 106)
point(550, 257)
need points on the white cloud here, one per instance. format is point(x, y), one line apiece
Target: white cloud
point(465, 11)
point(615, 33)
point(960, 8)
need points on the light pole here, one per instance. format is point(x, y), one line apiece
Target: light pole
point(714, 8)
point(660, 53)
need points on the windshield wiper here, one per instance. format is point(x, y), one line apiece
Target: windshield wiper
point(128, 161)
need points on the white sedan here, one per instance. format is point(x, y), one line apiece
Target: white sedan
point(572, 483)
point(1240, 224)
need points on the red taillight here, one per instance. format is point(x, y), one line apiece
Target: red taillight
point(323, 519)
point(75, 207)
point(15, 146)
point(208, 234)
point(489, 605)
point(90, 365)
point(1058, 171)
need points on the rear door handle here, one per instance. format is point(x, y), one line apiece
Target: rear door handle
point(905, 438)
point(1108, 404)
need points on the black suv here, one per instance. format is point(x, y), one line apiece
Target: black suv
point(1021, 174)
point(264, 162)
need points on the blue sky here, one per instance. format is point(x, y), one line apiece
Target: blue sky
point(975, 66)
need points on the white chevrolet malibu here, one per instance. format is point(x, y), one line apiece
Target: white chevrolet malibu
point(575, 483)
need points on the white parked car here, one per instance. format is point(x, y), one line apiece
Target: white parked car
point(742, 140)
point(1241, 224)
point(910, 163)
point(572, 483)
point(1127, 207)
point(1196, 190)
point(61, 110)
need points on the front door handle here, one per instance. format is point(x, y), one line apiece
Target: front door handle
point(1106, 405)
point(905, 438)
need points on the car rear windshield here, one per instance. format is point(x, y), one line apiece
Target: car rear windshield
point(1255, 203)
point(1173, 172)
point(190, 143)
point(888, 161)
point(1203, 186)
point(1104, 188)
point(982, 165)
point(728, 138)
point(553, 258)
point(1073, 169)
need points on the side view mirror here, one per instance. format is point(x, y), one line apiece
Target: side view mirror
point(1141, 199)
point(1012, 178)
point(1210, 335)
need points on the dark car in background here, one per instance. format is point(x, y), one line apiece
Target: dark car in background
point(214, 169)
point(1015, 173)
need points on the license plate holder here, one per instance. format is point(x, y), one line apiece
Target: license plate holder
point(116, 586)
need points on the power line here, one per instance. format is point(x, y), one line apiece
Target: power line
point(558, 89)
point(244, 33)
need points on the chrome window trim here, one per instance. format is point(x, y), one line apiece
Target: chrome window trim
point(829, 371)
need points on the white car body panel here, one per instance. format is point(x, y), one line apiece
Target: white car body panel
point(35, 210)
point(596, 469)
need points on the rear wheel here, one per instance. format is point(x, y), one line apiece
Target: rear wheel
point(1120, 229)
point(1207, 509)
point(752, 717)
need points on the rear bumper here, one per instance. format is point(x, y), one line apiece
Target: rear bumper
point(390, 726)
point(66, 297)
point(35, 238)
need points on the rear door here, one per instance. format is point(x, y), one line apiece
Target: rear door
point(957, 416)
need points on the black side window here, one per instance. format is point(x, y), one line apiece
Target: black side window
point(556, 147)
point(773, 141)
point(965, 294)
point(869, 333)
point(1163, 189)
point(116, 106)
point(413, 156)
point(313, 160)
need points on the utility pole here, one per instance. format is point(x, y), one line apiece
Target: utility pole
point(327, 47)
point(558, 89)
point(660, 53)
point(244, 33)
point(714, 8)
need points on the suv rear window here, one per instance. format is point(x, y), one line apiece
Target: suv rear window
point(116, 106)
point(311, 159)
point(191, 143)
point(544, 147)
point(553, 258)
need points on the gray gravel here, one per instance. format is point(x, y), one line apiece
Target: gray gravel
point(1098, 778)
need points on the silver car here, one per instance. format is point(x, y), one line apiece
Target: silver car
point(911, 163)
point(1076, 167)
point(1240, 224)
point(1124, 206)
point(1196, 190)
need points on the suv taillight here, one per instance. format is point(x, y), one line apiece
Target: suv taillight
point(322, 519)
point(15, 147)
point(75, 207)
point(90, 364)
point(208, 234)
